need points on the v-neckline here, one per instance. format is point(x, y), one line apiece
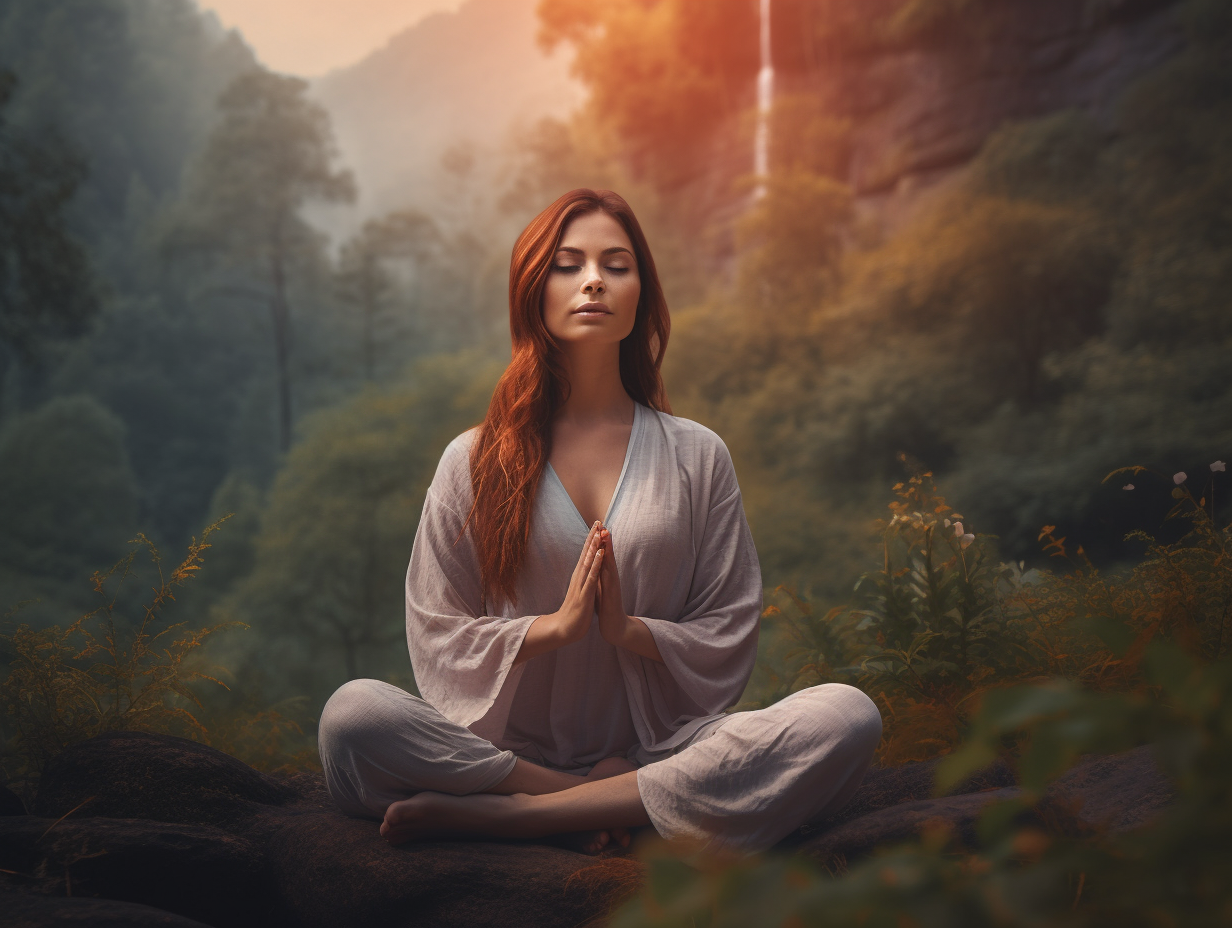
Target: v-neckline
point(620, 481)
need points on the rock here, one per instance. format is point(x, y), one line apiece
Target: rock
point(28, 911)
point(1113, 793)
point(860, 836)
point(884, 787)
point(179, 820)
point(10, 802)
point(177, 826)
point(1117, 793)
point(132, 774)
point(179, 868)
point(335, 871)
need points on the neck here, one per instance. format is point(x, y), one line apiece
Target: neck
point(595, 389)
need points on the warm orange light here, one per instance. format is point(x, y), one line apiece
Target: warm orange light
point(311, 37)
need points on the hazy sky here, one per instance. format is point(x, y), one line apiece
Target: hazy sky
point(310, 37)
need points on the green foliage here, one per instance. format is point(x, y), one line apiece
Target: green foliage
point(326, 585)
point(943, 623)
point(1083, 663)
point(68, 496)
point(131, 85)
point(45, 281)
point(123, 675)
point(365, 280)
point(271, 153)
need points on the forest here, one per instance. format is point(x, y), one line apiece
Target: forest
point(221, 405)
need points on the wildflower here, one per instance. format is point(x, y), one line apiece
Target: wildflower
point(966, 539)
point(1218, 465)
point(958, 528)
point(1179, 477)
point(1128, 486)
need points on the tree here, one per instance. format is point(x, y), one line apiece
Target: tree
point(68, 497)
point(45, 280)
point(271, 153)
point(330, 558)
point(365, 280)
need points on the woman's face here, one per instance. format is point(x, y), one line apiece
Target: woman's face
point(593, 287)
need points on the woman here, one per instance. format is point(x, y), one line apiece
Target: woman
point(583, 599)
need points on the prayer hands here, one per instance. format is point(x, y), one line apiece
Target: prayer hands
point(573, 618)
point(613, 620)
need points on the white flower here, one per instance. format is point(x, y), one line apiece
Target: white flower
point(958, 529)
point(1218, 465)
point(1128, 486)
point(947, 521)
point(1179, 477)
point(966, 539)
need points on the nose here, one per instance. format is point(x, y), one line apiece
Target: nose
point(593, 284)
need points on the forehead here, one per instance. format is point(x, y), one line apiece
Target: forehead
point(594, 232)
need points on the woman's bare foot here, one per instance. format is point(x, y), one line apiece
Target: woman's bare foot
point(610, 804)
point(592, 842)
point(438, 815)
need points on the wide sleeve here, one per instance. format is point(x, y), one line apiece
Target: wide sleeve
point(710, 648)
point(460, 656)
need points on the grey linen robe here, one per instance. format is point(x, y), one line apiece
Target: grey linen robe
point(688, 569)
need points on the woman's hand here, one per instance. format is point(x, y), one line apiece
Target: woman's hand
point(617, 626)
point(613, 620)
point(572, 620)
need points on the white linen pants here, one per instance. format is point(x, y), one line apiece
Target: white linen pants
point(740, 784)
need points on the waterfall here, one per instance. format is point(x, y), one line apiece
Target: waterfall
point(765, 97)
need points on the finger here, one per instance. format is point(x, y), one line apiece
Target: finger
point(592, 576)
point(579, 567)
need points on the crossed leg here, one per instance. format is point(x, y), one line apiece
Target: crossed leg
point(382, 748)
point(742, 786)
point(740, 789)
point(613, 805)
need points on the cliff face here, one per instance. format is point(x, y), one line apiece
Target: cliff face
point(920, 108)
point(923, 110)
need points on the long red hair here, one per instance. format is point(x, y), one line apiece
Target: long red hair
point(514, 441)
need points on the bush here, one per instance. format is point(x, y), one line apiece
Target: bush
point(1060, 665)
point(105, 672)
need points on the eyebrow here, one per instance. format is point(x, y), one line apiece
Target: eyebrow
point(605, 251)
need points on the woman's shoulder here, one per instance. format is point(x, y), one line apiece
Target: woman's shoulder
point(452, 481)
point(687, 432)
point(694, 445)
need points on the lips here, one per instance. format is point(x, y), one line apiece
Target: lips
point(594, 309)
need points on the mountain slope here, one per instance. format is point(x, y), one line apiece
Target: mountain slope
point(453, 82)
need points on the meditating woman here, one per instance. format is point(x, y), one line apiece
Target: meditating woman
point(583, 598)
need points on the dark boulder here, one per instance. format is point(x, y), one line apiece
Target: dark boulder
point(197, 871)
point(10, 802)
point(155, 822)
point(22, 910)
point(170, 822)
point(1116, 793)
point(1113, 793)
point(131, 774)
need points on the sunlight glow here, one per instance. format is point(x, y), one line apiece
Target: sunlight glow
point(312, 37)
